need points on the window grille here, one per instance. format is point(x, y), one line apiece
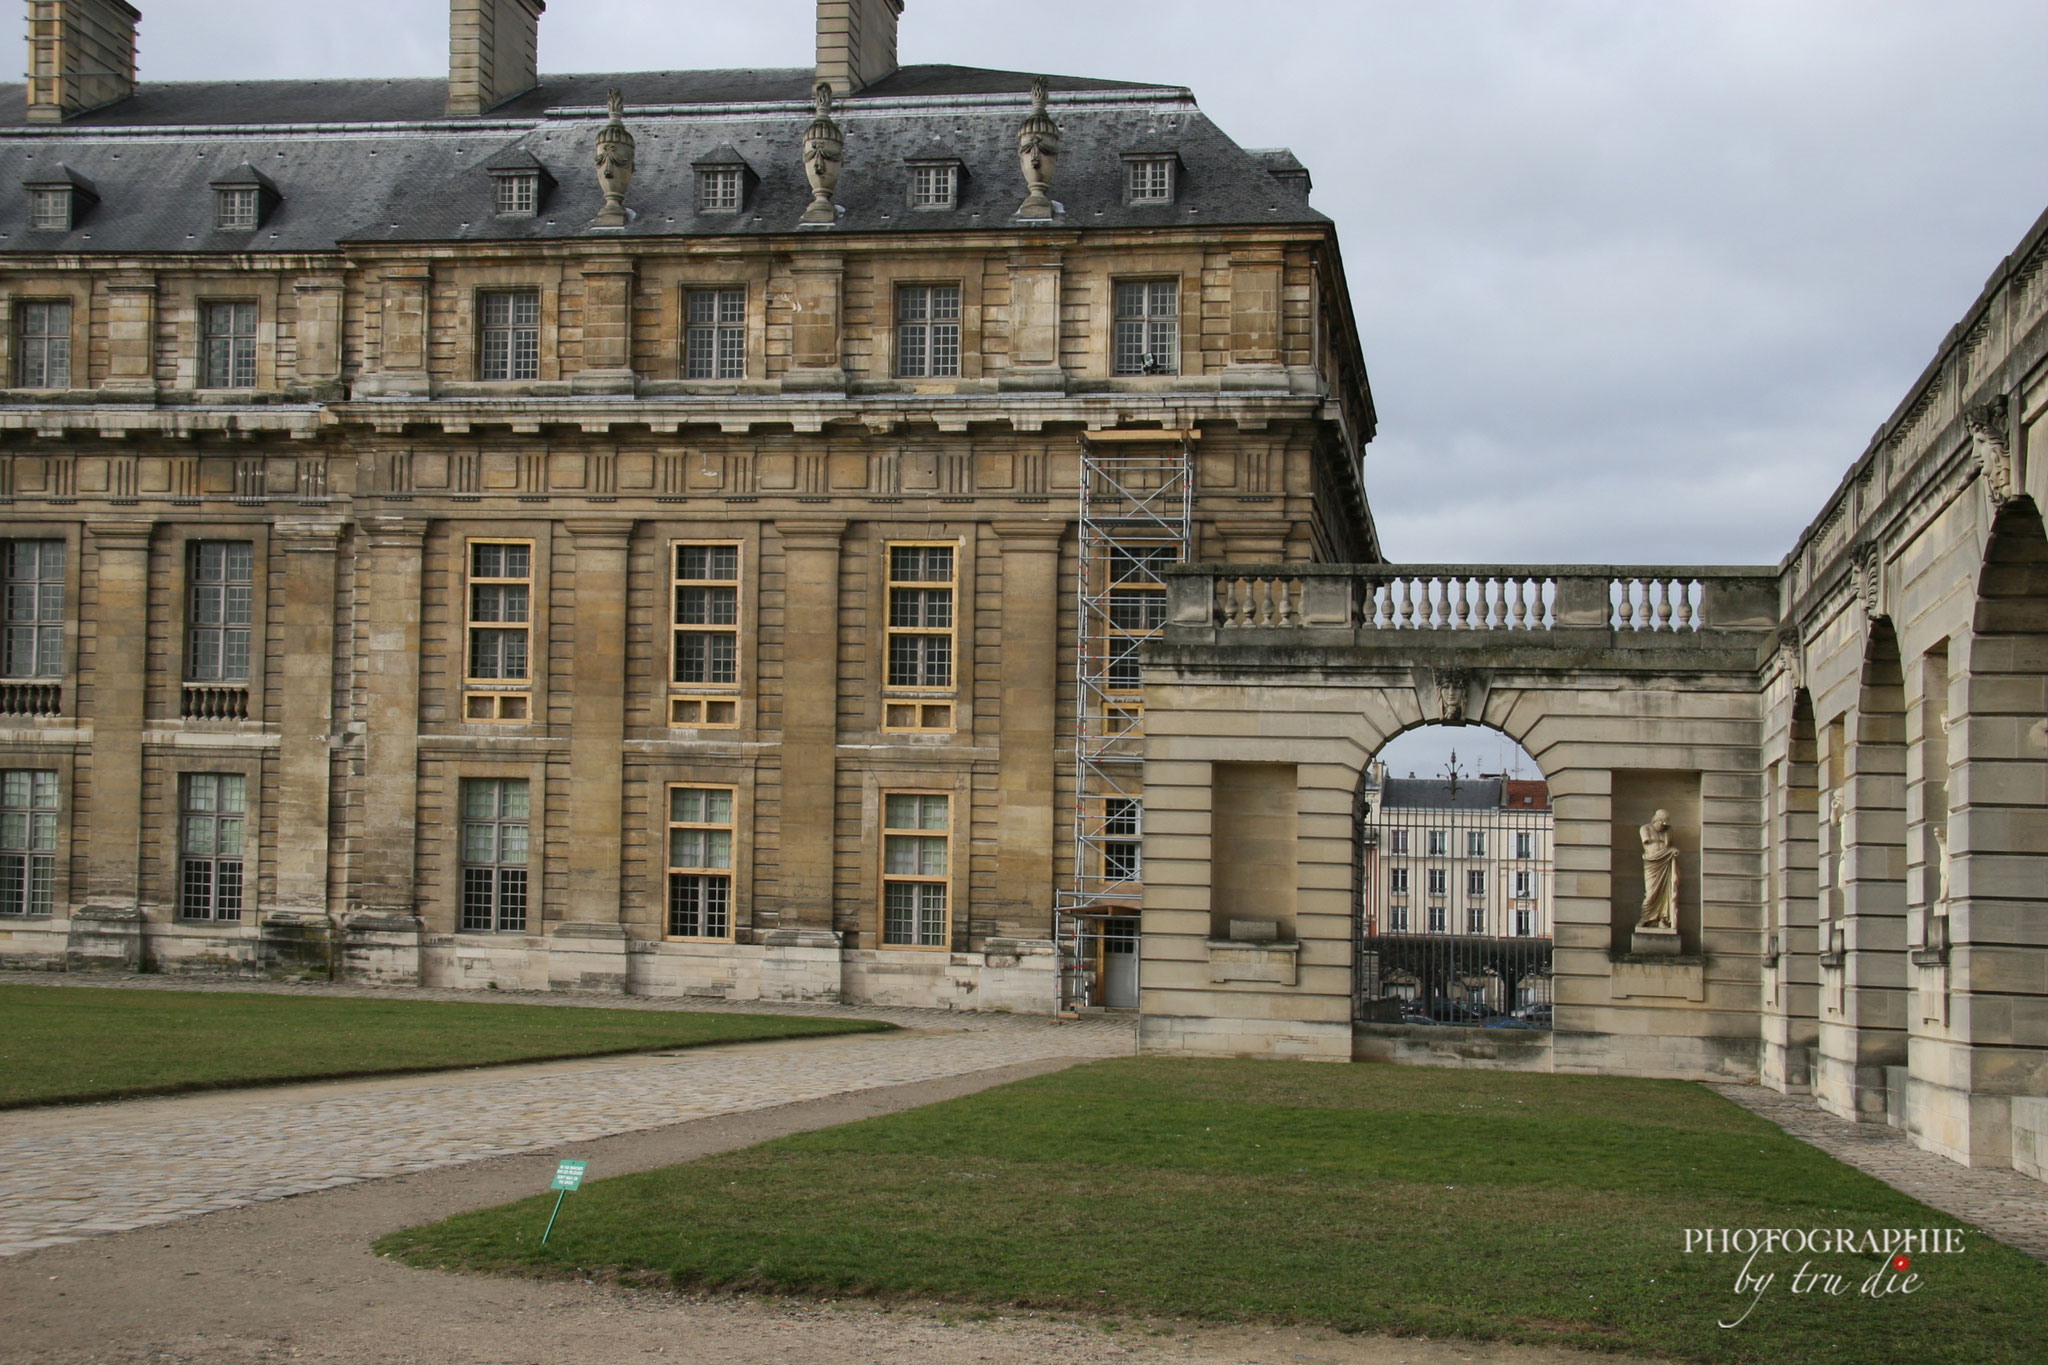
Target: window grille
point(28, 842)
point(1148, 327)
point(928, 331)
point(230, 346)
point(213, 807)
point(50, 210)
point(219, 599)
point(934, 187)
point(707, 614)
point(500, 610)
point(700, 830)
point(916, 853)
point(42, 337)
point(920, 630)
point(510, 342)
point(1149, 180)
point(495, 816)
point(720, 189)
point(237, 210)
point(715, 343)
point(518, 194)
point(34, 609)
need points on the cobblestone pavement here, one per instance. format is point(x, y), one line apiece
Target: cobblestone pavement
point(2009, 1206)
point(75, 1171)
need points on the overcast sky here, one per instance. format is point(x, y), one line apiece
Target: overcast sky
point(1637, 279)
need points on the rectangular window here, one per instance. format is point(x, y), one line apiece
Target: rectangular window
point(928, 331)
point(1439, 843)
point(720, 188)
point(1525, 886)
point(1525, 845)
point(1475, 919)
point(1475, 843)
point(715, 346)
point(920, 629)
point(916, 854)
point(34, 609)
point(1148, 327)
point(1397, 841)
point(934, 187)
point(518, 194)
point(706, 601)
point(495, 816)
point(1137, 609)
point(1524, 924)
point(1437, 878)
point(1149, 180)
point(230, 346)
point(1397, 881)
point(508, 345)
point(1437, 924)
point(236, 210)
point(219, 595)
point(1397, 920)
point(1475, 882)
point(500, 610)
point(1123, 830)
point(42, 337)
point(28, 842)
point(700, 829)
point(50, 210)
point(212, 806)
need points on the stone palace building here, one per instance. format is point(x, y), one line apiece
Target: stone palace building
point(897, 534)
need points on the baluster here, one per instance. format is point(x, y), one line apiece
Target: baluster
point(1233, 603)
point(1401, 596)
point(1622, 617)
point(1285, 610)
point(1695, 601)
point(1518, 611)
point(1643, 608)
point(1663, 605)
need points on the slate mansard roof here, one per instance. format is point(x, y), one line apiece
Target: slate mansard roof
point(378, 161)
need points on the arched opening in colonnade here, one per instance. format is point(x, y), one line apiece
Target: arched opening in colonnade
point(1454, 872)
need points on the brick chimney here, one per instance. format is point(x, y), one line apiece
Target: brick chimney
point(856, 42)
point(81, 55)
point(493, 52)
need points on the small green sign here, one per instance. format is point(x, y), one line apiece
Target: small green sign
point(569, 1175)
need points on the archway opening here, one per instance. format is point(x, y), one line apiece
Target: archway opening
point(1455, 878)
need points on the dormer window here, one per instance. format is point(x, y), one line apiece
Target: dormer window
point(719, 189)
point(1149, 179)
point(50, 210)
point(235, 210)
point(934, 184)
point(518, 194)
point(58, 199)
point(243, 200)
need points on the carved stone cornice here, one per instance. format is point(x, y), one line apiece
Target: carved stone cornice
point(1037, 533)
point(307, 536)
point(395, 533)
point(811, 533)
point(601, 533)
point(121, 535)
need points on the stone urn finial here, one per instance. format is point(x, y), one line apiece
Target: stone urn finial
point(614, 163)
point(824, 151)
point(1038, 152)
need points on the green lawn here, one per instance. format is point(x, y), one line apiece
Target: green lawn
point(1365, 1198)
point(62, 1043)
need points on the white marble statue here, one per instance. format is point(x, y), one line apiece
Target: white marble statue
point(1660, 876)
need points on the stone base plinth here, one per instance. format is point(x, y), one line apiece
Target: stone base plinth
point(1655, 943)
point(587, 957)
point(105, 938)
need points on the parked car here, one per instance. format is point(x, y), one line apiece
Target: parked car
point(1509, 1021)
point(1537, 1015)
point(1411, 1017)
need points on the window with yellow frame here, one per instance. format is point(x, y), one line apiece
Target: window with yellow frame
point(922, 590)
point(498, 637)
point(700, 861)
point(704, 662)
point(917, 860)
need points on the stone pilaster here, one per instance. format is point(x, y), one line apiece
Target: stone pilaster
point(306, 712)
point(389, 582)
point(1035, 282)
point(817, 280)
point(131, 335)
point(598, 736)
point(810, 718)
point(119, 685)
point(1030, 682)
point(607, 327)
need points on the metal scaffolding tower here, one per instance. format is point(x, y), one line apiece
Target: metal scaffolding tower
point(1137, 508)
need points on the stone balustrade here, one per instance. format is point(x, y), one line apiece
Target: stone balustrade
point(31, 699)
point(1474, 597)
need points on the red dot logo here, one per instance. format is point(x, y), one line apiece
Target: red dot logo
point(1901, 1263)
